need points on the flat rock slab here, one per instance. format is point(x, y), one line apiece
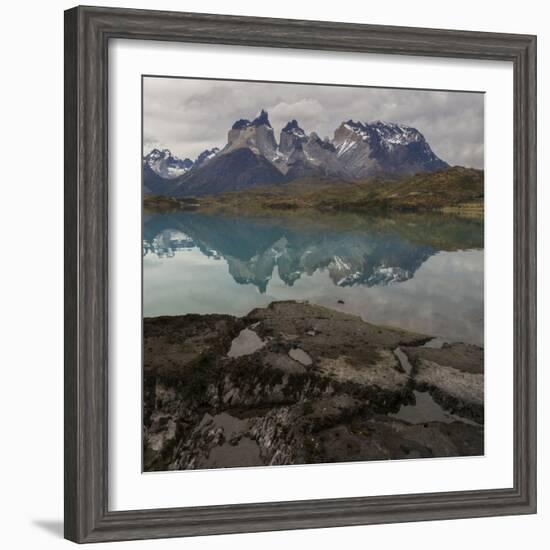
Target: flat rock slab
point(463, 357)
point(382, 439)
point(385, 373)
point(170, 344)
point(284, 363)
point(453, 375)
point(320, 327)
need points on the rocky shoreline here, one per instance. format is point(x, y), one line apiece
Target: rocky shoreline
point(296, 383)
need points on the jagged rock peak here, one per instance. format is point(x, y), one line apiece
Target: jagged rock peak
point(292, 127)
point(155, 154)
point(352, 124)
point(261, 120)
point(324, 143)
point(292, 137)
point(206, 155)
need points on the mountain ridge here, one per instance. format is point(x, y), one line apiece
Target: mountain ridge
point(357, 150)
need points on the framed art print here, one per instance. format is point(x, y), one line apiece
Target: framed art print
point(300, 274)
point(347, 320)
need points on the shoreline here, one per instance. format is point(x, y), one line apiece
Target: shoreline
point(162, 204)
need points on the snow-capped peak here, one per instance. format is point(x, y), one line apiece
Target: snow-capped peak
point(396, 134)
point(389, 133)
point(167, 165)
point(206, 155)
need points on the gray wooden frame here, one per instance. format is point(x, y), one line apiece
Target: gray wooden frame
point(87, 34)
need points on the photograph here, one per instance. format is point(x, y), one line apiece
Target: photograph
point(313, 273)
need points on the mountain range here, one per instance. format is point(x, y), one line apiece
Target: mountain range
point(252, 157)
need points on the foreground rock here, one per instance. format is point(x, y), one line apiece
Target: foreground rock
point(453, 374)
point(296, 383)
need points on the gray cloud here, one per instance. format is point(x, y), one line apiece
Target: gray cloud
point(190, 115)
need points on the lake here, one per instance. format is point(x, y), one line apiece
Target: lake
point(418, 272)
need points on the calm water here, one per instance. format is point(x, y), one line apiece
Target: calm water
point(422, 273)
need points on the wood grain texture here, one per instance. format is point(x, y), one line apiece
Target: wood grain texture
point(87, 33)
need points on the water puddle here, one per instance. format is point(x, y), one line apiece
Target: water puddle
point(245, 453)
point(230, 424)
point(245, 343)
point(435, 343)
point(425, 408)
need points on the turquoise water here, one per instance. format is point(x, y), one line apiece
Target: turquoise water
point(416, 272)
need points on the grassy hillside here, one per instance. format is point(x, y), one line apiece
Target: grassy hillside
point(455, 190)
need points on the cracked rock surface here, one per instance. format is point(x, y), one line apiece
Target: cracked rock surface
point(310, 385)
point(453, 375)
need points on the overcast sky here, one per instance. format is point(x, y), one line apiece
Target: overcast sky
point(188, 116)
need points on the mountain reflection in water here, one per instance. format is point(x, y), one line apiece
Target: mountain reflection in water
point(422, 273)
